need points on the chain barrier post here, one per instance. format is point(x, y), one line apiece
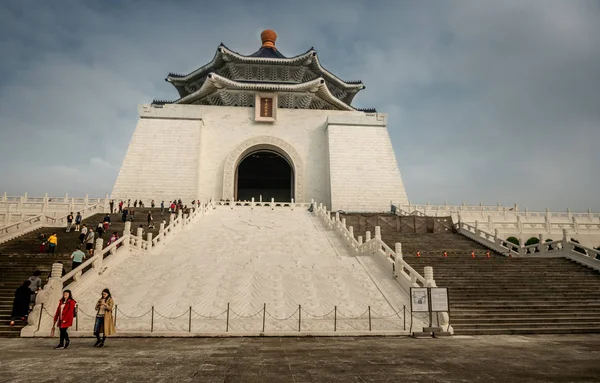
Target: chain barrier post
point(334, 318)
point(299, 317)
point(227, 328)
point(116, 311)
point(77, 323)
point(190, 320)
point(404, 315)
point(264, 313)
point(40, 319)
point(369, 318)
point(152, 320)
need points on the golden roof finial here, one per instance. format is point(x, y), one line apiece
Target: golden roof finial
point(268, 38)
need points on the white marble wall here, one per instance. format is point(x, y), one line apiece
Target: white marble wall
point(183, 151)
point(363, 167)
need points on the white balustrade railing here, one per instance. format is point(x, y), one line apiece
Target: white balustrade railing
point(391, 260)
point(272, 204)
point(38, 221)
point(561, 248)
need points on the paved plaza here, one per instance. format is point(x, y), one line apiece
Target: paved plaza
point(551, 358)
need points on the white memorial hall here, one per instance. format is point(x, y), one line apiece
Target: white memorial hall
point(262, 126)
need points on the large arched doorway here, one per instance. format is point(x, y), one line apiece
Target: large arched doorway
point(264, 174)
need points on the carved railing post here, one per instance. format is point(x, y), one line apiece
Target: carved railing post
point(139, 237)
point(127, 228)
point(541, 246)
point(428, 274)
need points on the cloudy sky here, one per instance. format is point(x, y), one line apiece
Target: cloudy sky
point(492, 101)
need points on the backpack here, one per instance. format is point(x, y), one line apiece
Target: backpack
point(75, 311)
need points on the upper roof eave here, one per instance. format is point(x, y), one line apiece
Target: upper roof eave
point(225, 54)
point(215, 82)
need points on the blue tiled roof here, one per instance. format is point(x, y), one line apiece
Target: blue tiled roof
point(268, 52)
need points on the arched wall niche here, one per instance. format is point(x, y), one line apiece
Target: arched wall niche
point(259, 143)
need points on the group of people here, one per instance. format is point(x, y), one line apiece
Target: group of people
point(66, 312)
point(51, 242)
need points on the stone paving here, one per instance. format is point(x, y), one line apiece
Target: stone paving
point(544, 358)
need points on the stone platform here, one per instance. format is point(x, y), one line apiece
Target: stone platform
point(545, 358)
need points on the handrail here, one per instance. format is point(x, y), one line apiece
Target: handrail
point(399, 266)
point(95, 257)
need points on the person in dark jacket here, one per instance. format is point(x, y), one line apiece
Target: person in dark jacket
point(20, 308)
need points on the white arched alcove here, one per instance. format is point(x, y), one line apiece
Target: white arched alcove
point(263, 143)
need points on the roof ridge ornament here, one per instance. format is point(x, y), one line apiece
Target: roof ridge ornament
point(268, 38)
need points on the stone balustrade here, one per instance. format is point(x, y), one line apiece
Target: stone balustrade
point(26, 225)
point(555, 248)
point(389, 259)
point(272, 204)
point(511, 221)
point(17, 208)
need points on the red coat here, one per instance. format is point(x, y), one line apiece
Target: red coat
point(67, 314)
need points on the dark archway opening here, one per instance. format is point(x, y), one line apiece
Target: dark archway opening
point(264, 174)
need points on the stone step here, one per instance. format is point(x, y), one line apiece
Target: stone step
point(483, 314)
point(516, 306)
point(533, 296)
point(533, 320)
point(539, 324)
point(528, 330)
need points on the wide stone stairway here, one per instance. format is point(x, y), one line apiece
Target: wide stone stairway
point(20, 257)
point(496, 295)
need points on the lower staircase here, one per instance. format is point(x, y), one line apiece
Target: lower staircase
point(20, 257)
point(14, 269)
point(495, 295)
point(500, 295)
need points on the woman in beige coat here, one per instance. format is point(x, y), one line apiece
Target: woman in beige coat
point(105, 323)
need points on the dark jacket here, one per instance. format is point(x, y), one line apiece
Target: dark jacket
point(21, 302)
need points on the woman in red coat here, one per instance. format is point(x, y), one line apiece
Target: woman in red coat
point(65, 312)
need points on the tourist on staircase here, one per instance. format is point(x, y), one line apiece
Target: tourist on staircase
point(42, 238)
point(65, 312)
point(125, 213)
point(162, 207)
point(20, 308)
point(77, 258)
point(104, 324)
point(35, 286)
point(100, 229)
point(89, 242)
point(113, 238)
point(112, 206)
point(83, 234)
point(69, 221)
point(120, 207)
point(135, 203)
point(150, 219)
point(106, 222)
point(78, 220)
point(52, 243)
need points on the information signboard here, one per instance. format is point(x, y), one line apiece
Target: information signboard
point(419, 299)
point(439, 299)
